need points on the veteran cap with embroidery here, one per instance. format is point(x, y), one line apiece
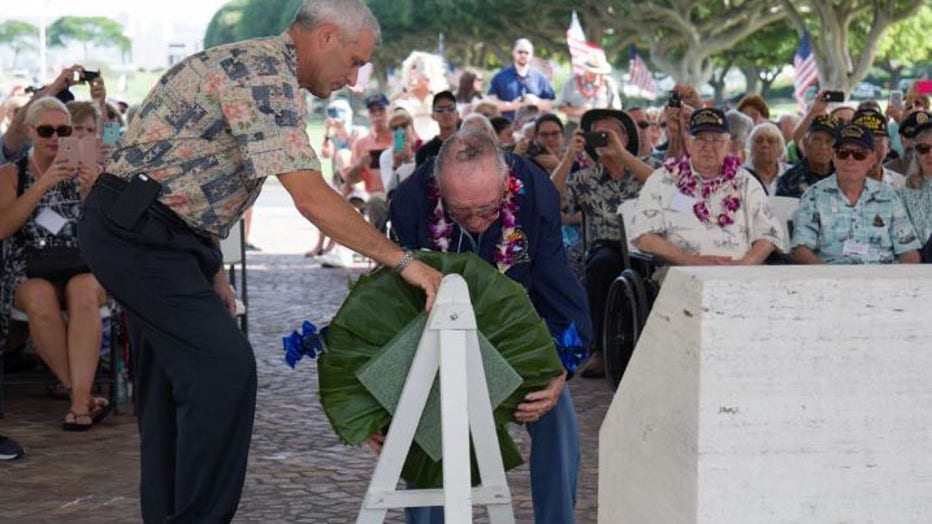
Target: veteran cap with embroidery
point(827, 123)
point(708, 119)
point(913, 122)
point(871, 119)
point(854, 134)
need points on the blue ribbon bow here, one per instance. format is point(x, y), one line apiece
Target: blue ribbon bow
point(571, 348)
point(308, 342)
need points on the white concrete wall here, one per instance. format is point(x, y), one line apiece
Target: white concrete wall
point(776, 394)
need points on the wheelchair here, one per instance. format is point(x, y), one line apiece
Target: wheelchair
point(632, 294)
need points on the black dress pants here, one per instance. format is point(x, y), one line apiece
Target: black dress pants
point(603, 264)
point(196, 372)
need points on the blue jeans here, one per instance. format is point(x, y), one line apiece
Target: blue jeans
point(554, 466)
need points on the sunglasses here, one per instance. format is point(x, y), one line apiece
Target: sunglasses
point(445, 109)
point(644, 124)
point(923, 149)
point(396, 127)
point(843, 154)
point(47, 131)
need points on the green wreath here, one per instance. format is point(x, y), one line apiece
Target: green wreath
point(382, 304)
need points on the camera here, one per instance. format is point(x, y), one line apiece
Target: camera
point(596, 138)
point(675, 100)
point(534, 149)
point(85, 75)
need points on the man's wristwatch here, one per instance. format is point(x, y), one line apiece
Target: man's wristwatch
point(405, 261)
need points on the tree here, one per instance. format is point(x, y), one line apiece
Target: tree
point(761, 56)
point(905, 44)
point(96, 30)
point(223, 25)
point(845, 34)
point(684, 35)
point(18, 36)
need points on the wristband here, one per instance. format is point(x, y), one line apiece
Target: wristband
point(405, 261)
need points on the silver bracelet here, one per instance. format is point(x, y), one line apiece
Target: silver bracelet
point(405, 261)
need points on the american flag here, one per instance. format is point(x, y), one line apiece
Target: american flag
point(807, 72)
point(639, 75)
point(580, 48)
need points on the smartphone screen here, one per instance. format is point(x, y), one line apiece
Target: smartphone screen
point(896, 99)
point(399, 140)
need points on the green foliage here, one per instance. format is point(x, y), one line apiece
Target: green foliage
point(245, 19)
point(907, 42)
point(381, 304)
point(95, 30)
point(223, 26)
point(18, 34)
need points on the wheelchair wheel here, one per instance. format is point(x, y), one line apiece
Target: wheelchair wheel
point(622, 325)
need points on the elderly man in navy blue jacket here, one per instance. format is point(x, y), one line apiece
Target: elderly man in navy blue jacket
point(508, 212)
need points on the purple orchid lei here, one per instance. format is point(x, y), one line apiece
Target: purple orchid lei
point(688, 184)
point(440, 228)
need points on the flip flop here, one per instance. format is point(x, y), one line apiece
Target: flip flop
point(74, 426)
point(100, 411)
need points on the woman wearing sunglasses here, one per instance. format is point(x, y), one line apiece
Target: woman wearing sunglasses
point(851, 219)
point(917, 195)
point(39, 206)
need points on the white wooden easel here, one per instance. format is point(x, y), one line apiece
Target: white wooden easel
point(449, 343)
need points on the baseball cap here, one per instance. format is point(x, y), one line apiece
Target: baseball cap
point(854, 134)
point(913, 122)
point(377, 100)
point(708, 119)
point(873, 120)
point(826, 123)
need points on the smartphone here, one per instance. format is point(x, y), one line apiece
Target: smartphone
point(111, 133)
point(597, 138)
point(374, 155)
point(896, 99)
point(534, 149)
point(399, 140)
point(834, 96)
point(675, 100)
point(924, 87)
point(89, 150)
point(69, 148)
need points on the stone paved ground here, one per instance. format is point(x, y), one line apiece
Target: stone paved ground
point(298, 471)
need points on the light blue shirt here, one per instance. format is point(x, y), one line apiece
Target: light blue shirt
point(872, 231)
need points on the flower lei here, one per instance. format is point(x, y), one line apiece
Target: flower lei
point(688, 183)
point(440, 228)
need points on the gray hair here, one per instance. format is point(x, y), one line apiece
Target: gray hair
point(468, 146)
point(739, 127)
point(352, 16)
point(46, 103)
point(768, 129)
point(523, 41)
point(478, 122)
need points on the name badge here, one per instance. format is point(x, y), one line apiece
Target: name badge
point(854, 248)
point(682, 203)
point(51, 221)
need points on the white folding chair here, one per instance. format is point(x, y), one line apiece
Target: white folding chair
point(233, 249)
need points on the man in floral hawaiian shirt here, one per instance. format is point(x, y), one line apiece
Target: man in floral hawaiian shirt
point(849, 218)
point(704, 209)
point(196, 156)
point(507, 211)
point(597, 191)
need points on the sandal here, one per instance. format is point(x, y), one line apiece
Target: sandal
point(99, 409)
point(74, 425)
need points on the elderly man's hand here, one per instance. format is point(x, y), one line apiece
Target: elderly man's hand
point(819, 105)
point(225, 292)
point(539, 403)
point(376, 442)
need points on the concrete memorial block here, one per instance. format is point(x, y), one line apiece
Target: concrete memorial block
point(776, 394)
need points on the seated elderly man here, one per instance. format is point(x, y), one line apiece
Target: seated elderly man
point(597, 191)
point(705, 209)
point(849, 218)
point(875, 122)
point(500, 207)
point(817, 164)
